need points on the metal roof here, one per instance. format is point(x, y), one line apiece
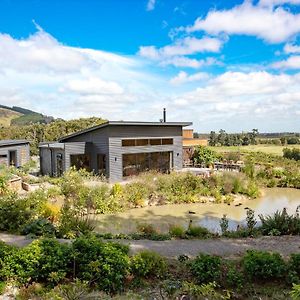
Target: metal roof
point(4, 143)
point(126, 123)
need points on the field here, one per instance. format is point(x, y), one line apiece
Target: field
point(270, 149)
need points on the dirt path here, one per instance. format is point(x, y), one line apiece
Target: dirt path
point(223, 247)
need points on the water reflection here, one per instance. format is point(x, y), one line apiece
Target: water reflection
point(207, 215)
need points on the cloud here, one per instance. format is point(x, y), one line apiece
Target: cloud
point(186, 46)
point(183, 77)
point(175, 54)
point(272, 24)
point(293, 62)
point(237, 100)
point(42, 74)
point(272, 3)
point(150, 5)
point(289, 48)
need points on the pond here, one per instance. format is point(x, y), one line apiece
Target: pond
point(205, 214)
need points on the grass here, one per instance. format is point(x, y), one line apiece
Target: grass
point(269, 149)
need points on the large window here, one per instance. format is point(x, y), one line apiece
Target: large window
point(145, 142)
point(81, 161)
point(134, 164)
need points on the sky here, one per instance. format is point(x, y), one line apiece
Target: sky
point(232, 65)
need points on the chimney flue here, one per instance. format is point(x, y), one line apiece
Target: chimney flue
point(164, 116)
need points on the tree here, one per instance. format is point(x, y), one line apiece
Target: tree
point(204, 156)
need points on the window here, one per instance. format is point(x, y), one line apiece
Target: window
point(128, 143)
point(81, 161)
point(142, 142)
point(167, 141)
point(133, 164)
point(155, 142)
point(3, 155)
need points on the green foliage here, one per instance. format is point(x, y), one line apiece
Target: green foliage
point(224, 225)
point(294, 268)
point(295, 292)
point(280, 223)
point(177, 231)
point(148, 264)
point(206, 268)
point(104, 264)
point(233, 277)
point(259, 265)
point(39, 227)
point(293, 153)
point(198, 232)
point(204, 291)
point(251, 221)
point(204, 156)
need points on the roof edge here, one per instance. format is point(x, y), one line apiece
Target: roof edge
point(125, 123)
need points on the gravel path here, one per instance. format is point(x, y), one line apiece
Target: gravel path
point(223, 247)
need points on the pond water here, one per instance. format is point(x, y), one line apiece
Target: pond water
point(206, 214)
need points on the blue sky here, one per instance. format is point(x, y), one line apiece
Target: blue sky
point(220, 64)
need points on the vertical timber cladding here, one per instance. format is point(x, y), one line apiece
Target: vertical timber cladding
point(116, 151)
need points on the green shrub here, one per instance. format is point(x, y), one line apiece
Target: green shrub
point(104, 264)
point(39, 227)
point(177, 231)
point(198, 232)
point(148, 264)
point(2, 287)
point(206, 268)
point(43, 260)
point(295, 292)
point(233, 277)
point(224, 225)
point(294, 268)
point(282, 222)
point(260, 265)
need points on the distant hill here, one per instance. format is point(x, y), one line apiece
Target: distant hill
point(19, 116)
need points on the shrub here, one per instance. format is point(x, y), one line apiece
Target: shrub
point(148, 264)
point(294, 268)
point(260, 265)
point(146, 229)
point(206, 268)
point(177, 231)
point(295, 292)
point(39, 227)
point(250, 219)
point(198, 231)
point(224, 225)
point(281, 221)
point(104, 264)
point(233, 277)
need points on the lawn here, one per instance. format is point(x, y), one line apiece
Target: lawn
point(270, 149)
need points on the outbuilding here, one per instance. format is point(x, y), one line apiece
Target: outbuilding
point(117, 149)
point(14, 152)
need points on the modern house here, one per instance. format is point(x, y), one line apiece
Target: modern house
point(117, 149)
point(14, 152)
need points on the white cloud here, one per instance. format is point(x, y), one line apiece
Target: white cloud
point(183, 77)
point(239, 101)
point(40, 73)
point(278, 2)
point(150, 5)
point(274, 25)
point(290, 48)
point(186, 46)
point(292, 62)
point(176, 53)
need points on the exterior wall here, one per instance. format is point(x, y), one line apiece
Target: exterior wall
point(117, 133)
point(48, 161)
point(22, 154)
point(194, 142)
point(99, 145)
point(187, 133)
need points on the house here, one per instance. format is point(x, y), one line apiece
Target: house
point(117, 149)
point(14, 152)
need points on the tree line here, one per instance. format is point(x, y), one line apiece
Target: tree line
point(37, 133)
point(222, 138)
